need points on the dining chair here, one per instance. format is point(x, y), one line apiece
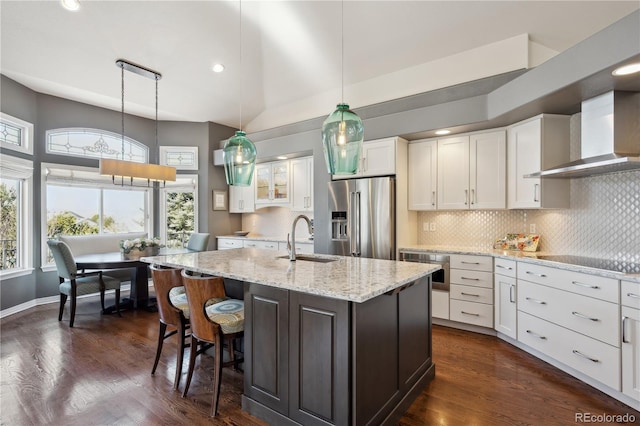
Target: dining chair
point(198, 241)
point(212, 323)
point(74, 283)
point(173, 312)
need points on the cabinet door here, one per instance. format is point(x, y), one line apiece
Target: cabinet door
point(487, 171)
point(631, 353)
point(423, 169)
point(280, 179)
point(505, 305)
point(524, 146)
point(453, 173)
point(379, 158)
point(262, 180)
point(302, 184)
point(242, 198)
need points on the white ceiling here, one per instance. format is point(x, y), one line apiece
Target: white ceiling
point(291, 51)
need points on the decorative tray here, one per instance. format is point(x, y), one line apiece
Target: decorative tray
point(241, 233)
point(522, 242)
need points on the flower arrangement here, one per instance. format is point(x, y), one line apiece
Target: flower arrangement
point(148, 245)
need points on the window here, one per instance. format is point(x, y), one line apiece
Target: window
point(79, 201)
point(16, 192)
point(16, 134)
point(179, 210)
point(93, 143)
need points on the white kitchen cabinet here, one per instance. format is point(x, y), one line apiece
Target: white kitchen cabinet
point(301, 248)
point(423, 175)
point(378, 158)
point(302, 184)
point(242, 198)
point(471, 293)
point(537, 144)
point(260, 244)
point(272, 184)
point(505, 302)
point(630, 295)
point(229, 243)
point(472, 171)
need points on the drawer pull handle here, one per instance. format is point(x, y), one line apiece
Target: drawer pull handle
point(635, 296)
point(508, 268)
point(469, 263)
point(469, 313)
point(536, 335)
point(584, 356)
point(537, 275)
point(624, 335)
point(469, 294)
point(539, 302)
point(595, 287)
point(579, 315)
point(470, 279)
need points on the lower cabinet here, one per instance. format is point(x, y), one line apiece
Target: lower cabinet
point(315, 360)
point(471, 295)
point(505, 302)
point(630, 298)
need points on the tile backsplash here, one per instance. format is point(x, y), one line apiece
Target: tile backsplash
point(603, 221)
point(274, 222)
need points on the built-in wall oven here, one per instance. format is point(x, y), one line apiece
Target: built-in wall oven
point(440, 278)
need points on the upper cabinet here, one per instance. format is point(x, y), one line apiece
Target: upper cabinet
point(302, 184)
point(241, 198)
point(423, 173)
point(472, 171)
point(272, 184)
point(378, 158)
point(536, 144)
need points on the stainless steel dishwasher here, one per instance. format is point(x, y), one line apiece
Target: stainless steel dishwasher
point(440, 279)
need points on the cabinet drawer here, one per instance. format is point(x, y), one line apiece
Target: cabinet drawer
point(471, 313)
point(630, 294)
point(472, 294)
point(504, 267)
point(225, 243)
point(259, 244)
point(594, 318)
point(301, 248)
point(472, 262)
point(575, 282)
point(474, 278)
point(589, 356)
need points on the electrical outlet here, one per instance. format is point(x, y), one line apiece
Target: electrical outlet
point(425, 226)
point(432, 227)
point(532, 228)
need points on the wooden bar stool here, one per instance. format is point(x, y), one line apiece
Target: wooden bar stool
point(212, 323)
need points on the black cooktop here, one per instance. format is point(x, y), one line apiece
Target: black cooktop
point(592, 262)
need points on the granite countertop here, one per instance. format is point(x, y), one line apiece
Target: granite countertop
point(263, 238)
point(355, 279)
point(529, 257)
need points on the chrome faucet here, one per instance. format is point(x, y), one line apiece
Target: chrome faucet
point(291, 248)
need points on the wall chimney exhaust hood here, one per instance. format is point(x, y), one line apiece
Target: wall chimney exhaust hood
point(610, 137)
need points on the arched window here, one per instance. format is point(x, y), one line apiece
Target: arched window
point(95, 143)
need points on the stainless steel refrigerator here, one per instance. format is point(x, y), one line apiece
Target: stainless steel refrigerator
point(362, 215)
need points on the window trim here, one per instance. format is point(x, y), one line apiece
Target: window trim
point(21, 169)
point(99, 183)
point(26, 145)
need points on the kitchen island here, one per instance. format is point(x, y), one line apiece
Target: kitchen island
point(328, 339)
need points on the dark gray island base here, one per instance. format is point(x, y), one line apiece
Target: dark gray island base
point(315, 360)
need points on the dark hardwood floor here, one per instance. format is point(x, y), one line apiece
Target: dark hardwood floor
point(98, 373)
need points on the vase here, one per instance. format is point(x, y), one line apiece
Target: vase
point(137, 254)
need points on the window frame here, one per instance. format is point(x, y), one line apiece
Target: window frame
point(179, 187)
point(21, 169)
point(101, 182)
point(26, 140)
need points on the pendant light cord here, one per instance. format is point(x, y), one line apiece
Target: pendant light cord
point(157, 146)
point(240, 1)
point(342, 49)
point(122, 105)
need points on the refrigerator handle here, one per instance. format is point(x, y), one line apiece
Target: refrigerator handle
point(355, 224)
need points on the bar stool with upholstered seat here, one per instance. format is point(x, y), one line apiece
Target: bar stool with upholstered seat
point(212, 323)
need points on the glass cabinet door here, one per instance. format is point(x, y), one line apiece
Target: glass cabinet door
point(281, 181)
point(263, 183)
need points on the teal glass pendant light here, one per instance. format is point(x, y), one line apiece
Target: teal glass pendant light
point(342, 136)
point(342, 131)
point(239, 155)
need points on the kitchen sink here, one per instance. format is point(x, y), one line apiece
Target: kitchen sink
point(307, 258)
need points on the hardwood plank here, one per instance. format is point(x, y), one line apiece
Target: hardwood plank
point(99, 373)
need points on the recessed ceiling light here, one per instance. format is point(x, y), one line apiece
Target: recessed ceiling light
point(282, 157)
point(627, 69)
point(218, 68)
point(443, 132)
point(72, 5)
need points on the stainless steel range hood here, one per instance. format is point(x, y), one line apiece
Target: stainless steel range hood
point(610, 137)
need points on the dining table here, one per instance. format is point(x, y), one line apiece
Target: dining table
point(139, 294)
